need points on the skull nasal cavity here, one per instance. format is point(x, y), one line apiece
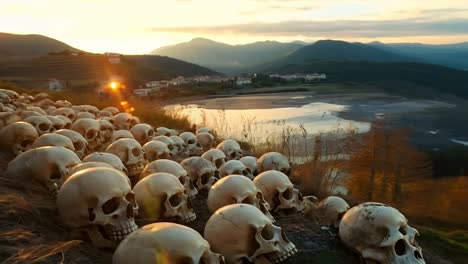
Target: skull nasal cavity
point(111, 205)
point(90, 134)
point(175, 200)
point(417, 255)
point(267, 232)
point(400, 247)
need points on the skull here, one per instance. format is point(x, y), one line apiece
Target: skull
point(273, 161)
point(206, 140)
point(7, 118)
point(234, 167)
point(18, 137)
point(121, 134)
point(65, 111)
point(90, 109)
point(279, 192)
point(87, 165)
point(79, 142)
point(53, 140)
point(142, 133)
point(106, 131)
point(251, 236)
point(103, 113)
point(49, 166)
point(380, 233)
point(177, 243)
point(89, 129)
point(62, 103)
point(174, 168)
point(202, 172)
point(155, 150)
point(206, 130)
point(100, 202)
point(85, 115)
point(192, 144)
point(181, 147)
point(27, 113)
point(36, 109)
point(108, 158)
point(41, 123)
point(169, 143)
point(331, 210)
point(111, 109)
point(231, 148)
point(124, 121)
point(130, 153)
point(251, 163)
point(236, 189)
point(216, 156)
point(67, 123)
point(163, 131)
point(162, 197)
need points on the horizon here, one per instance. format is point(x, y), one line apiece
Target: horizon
point(106, 26)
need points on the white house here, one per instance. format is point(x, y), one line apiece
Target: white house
point(243, 81)
point(56, 85)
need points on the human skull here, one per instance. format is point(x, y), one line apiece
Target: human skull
point(177, 243)
point(164, 131)
point(27, 113)
point(202, 173)
point(331, 210)
point(87, 165)
point(161, 196)
point(106, 131)
point(174, 168)
point(236, 189)
point(180, 146)
point(62, 103)
point(155, 150)
point(131, 154)
point(273, 161)
point(103, 113)
point(381, 234)
point(192, 143)
point(169, 143)
point(41, 123)
point(7, 118)
point(231, 148)
point(56, 140)
point(67, 123)
point(215, 156)
point(112, 110)
point(279, 192)
point(206, 140)
point(47, 165)
point(206, 130)
point(234, 167)
point(65, 111)
point(91, 109)
point(89, 129)
point(85, 115)
point(124, 121)
point(100, 202)
point(18, 137)
point(36, 109)
point(108, 158)
point(249, 236)
point(79, 142)
point(142, 133)
point(251, 163)
point(121, 134)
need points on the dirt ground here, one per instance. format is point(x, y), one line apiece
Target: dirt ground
point(31, 231)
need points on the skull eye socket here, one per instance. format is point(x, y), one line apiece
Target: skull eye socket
point(219, 162)
point(78, 145)
point(267, 232)
point(400, 247)
point(246, 172)
point(90, 134)
point(175, 199)
point(248, 200)
point(44, 127)
point(182, 180)
point(111, 205)
point(170, 147)
point(71, 116)
point(288, 194)
point(191, 141)
point(26, 143)
point(205, 178)
point(136, 152)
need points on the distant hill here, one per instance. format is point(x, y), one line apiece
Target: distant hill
point(14, 45)
point(172, 66)
point(227, 58)
point(451, 55)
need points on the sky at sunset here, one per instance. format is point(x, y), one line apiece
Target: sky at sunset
point(140, 26)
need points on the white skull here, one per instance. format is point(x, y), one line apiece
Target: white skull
point(181, 147)
point(85, 115)
point(89, 129)
point(242, 232)
point(206, 140)
point(202, 173)
point(142, 133)
point(79, 142)
point(18, 137)
point(155, 150)
point(112, 110)
point(67, 123)
point(50, 166)
point(331, 210)
point(118, 134)
point(251, 163)
point(131, 154)
point(90, 109)
point(273, 161)
point(234, 167)
point(215, 156)
point(174, 168)
point(169, 143)
point(87, 165)
point(37, 109)
point(101, 202)
point(192, 143)
point(124, 121)
point(108, 158)
point(236, 189)
point(62, 103)
point(279, 192)
point(164, 131)
point(65, 111)
point(56, 140)
point(103, 113)
point(162, 197)
point(206, 130)
point(41, 123)
point(177, 243)
point(7, 118)
point(106, 130)
point(381, 234)
point(231, 148)
point(27, 113)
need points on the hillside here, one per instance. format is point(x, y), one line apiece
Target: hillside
point(172, 66)
point(227, 58)
point(401, 77)
point(14, 45)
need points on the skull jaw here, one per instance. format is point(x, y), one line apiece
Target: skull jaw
point(134, 171)
point(108, 237)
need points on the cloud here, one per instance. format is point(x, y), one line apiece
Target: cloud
point(338, 28)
